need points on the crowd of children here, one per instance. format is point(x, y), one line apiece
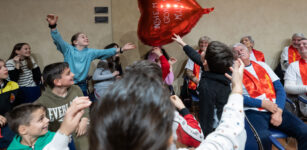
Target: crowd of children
point(139, 109)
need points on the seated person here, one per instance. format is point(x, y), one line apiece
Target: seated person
point(264, 100)
point(290, 53)
point(30, 123)
point(186, 129)
point(141, 117)
point(9, 98)
point(193, 71)
point(255, 55)
point(296, 76)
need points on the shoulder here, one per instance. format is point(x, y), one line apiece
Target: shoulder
point(76, 90)
point(10, 62)
point(12, 85)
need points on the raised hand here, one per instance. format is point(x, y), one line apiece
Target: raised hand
point(172, 60)
point(128, 46)
point(177, 102)
point(52, 19)
point(73, 115)
point(179, 40)
point(237, 76)
point(115, 73)
point(157, 51)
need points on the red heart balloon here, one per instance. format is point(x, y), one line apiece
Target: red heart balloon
point(160, 19)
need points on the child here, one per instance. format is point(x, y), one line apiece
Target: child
point(24, 70)
point(8, 99)
point(59, 93)
point(29, 121)
point(214, 87)
point(78, 55)
point(159, 56)
point(106, 73)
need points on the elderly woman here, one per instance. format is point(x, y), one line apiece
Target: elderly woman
point(255, 55)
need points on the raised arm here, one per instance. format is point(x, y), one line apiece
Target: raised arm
point(61, 45)
point(190, 52)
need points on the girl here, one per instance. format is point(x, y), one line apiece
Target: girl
point(106, 73)
point(160, 56)
point(24, 70)
point(78, 55)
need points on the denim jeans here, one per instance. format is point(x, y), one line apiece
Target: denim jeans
point(291, 125)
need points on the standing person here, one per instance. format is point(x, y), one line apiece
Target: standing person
point(264, 101)
point(214, 87)
point(255, 55)
point(296, 76)
point(8, 99)
point(106, 73)
point(24, 70)
point(78, 55)
point(290, 53)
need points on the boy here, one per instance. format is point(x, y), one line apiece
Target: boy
point(29, 121)
point(8, 99)
point(214, 87)
point(59, 93)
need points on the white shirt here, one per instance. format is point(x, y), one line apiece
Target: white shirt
point(230, 134)
point(251, 70)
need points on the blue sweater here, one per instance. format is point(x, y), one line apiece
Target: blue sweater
point(79, 60)
point(280, 97)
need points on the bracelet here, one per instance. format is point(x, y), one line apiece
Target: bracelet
point(121, 50)
point(52, 26)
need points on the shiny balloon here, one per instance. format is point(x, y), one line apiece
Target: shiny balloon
point(160, 19)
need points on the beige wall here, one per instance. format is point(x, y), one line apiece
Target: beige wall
point(271, 23)
point(25, 21)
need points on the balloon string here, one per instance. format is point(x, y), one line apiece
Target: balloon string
point(208, 10)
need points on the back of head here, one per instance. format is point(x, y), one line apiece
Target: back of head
point(219, 57)
point(21, 115)
point(112, 45)
point(135, 113)
point(151, 68)
point(52, 72)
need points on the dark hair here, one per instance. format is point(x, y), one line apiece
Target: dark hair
point(135, 113)
point(303, 38)
point(52, 72)
point(18, 47)
point(22, 115)
point(152, 69)
point(219, 57)
point(112, 45)
point(1, 60)
point(75, 37)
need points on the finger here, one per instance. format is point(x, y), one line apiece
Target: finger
point(228, 76)
point(231, 69)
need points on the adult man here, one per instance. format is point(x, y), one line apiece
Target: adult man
point(296, 76)
point(290, 53)
point(264, 100)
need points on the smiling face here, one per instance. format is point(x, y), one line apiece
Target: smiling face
point(38, 125)
point(203, 44)
point(66, 80)
point(247, 43)
point(25, 51)
point(296, 41)
point(303, 49)
point(81, 40)
point(3, 71)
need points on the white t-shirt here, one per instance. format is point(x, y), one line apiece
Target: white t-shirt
point(251, 70)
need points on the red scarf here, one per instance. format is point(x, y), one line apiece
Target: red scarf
point(259, 55)
point(293, 54)
point(303, 71)
point(257, 87)
point(196, 69)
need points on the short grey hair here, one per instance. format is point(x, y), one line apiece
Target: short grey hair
point(239, 44)
point(204, 38)
point(249, 38)
point(301, 35)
